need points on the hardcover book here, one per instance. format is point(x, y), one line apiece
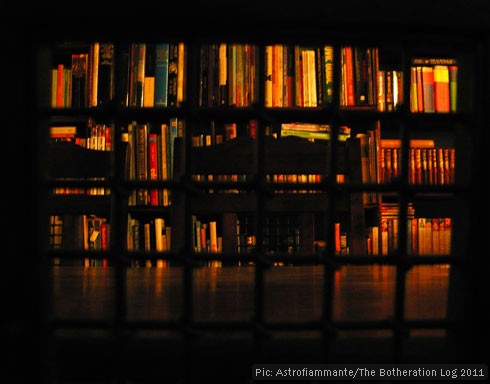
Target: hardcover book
point(105, 90)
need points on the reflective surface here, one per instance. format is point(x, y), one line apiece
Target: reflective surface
point(227, 294)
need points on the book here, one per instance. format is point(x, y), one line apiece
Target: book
point(106, 71)
point(149, 78)
point(122, 86)
point(153, 165)
point(413, 143)
point(453, 87)
point(161, 74)
point(313, 131)
point(137, 74)
point(433, 85)
point(181, 73)
point(213, 237)
point(328, 54)
point(428, 89)
point(268, 76)
point(66, 132)
point(172, 79)
point(141, 161)
point(442, 96)
point(79, 74)
point(347, 74)
point(223, 74)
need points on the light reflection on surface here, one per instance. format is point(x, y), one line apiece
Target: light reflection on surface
point(227, 294)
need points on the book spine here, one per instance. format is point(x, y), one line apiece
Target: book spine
point(122, 70)
point(320, 76)
point(181, 73)
point(105, 92)
point(222, 74)
point(153, 166)
point(142, 161)
point(268, 76)
point(328, 58)
point(441, 89)
point(149, 77)
point(173, 59)
point(453, 87)
point(428, 89)
point(161, 74)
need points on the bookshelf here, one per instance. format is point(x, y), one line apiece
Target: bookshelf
point(359, 201)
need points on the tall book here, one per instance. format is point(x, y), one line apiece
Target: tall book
point(223, 74)
point(142, 161)
point(122, 86)
point(347, 85)
point(442, 96)
point(328, 58)
point(137, 74)
point(79, 63)
point(161, 74)
point(173, 59)
point(93, 73)
point(428, 89)
point(153, 165)
point(268, 76)
point(105, 91)
point(181, 73)
point(149, 77)
point(453, 87)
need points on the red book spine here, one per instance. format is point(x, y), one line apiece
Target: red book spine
point(60, 87)
point(153, 165)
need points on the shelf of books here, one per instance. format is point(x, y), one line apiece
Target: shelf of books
point(183, 159)
point(223, 101)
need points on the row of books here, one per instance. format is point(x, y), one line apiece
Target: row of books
point(228, 75)
point(381, 162)
point(433, 85)
point(359, 74)
point(150, 75)
point(150, 157)
point(151, 235)
point(425, 235)
point(154, 75)
point(298, 76)
point(435, 166)
point(80, 232)
point(92, 136)
point(88, 80)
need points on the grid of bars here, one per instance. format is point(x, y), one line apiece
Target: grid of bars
point(398, 325)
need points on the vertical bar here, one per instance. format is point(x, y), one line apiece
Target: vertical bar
point(259, 157)
point(400, 256)
point(119, 220)
point(40, 282)
point(329, 188)
point(185, 182)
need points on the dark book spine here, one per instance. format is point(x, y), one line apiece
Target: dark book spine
point(173, 59)
point(123, 53)
point(204, 78)
point(75, 79)
point(320, 76)
point(105, 85)
point(140, 75)
point(360, 76)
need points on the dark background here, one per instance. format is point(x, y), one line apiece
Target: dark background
point(23, 26)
